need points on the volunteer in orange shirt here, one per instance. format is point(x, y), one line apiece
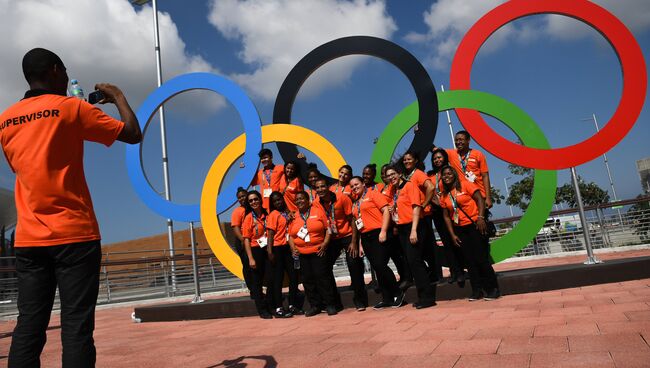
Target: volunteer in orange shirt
point(236, 221)
point(291, 184)
point(57, 236)
point(313, 174)
point(413, 170)
point(277, 227)
point(343, 185)
point(255, 242)
point(453, 254)
point(392, 243)
point(269, 177)
point(406, 212)
point(309, 238)
point(372, 218)
point(338, 208)
point(463, 203)
point(471, 163)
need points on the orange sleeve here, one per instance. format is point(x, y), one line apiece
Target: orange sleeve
point(237, 217)
point(415, 195)
point(96, 126)
point(482, 162)
point(272, 221)
point(247, 227)
point(471, 188)
point(256, 178)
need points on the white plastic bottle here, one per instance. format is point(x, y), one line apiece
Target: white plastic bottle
point(76, 90)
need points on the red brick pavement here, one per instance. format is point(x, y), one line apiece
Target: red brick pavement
point(605, 325)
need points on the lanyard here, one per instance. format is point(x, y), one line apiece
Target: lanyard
point(304, 218)
point(311, 195)
point(337, 188)
point(437, 182)
point(408, 177)
point(463, 162)
point(285, 215)
point(454, 202)
point(330, 213)
point(358, 203)
point(255, 224)
point(268, 176)
point(395, 196)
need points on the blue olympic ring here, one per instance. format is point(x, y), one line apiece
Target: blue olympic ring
point(252, 127)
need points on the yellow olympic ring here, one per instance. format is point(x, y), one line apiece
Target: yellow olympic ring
point(270, 133)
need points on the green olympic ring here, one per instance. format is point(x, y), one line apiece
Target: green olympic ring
point(545, 181)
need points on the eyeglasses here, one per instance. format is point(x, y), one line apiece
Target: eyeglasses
point(251, 200)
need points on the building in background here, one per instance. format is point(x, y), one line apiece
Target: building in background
point(643, 168)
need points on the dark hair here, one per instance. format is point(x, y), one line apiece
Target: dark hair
point(371, 167)
point(248, 206)
point(455, 184)
point(418, 163)
point(272, 198)
point(384, 167)
point(463, 132)
point(445, 157)
point(312, 167)
point(347, 167)
point(358, 178)
point(241, 189)
point(265, 152)
point(321, 178)
point(37, 62)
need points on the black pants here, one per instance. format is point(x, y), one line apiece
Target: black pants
point(429, 242)
point(398, 257)
point(261, 258)
point(317, 279)
point(415, 255)
point(453, 254)
point(283, 262)
point(355, 267)
point(246, 269)
point(75, 269)
point(476, 251)
point(378, 255)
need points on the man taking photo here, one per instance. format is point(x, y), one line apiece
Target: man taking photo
point(57, 235)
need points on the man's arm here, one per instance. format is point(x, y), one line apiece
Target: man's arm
point(488, 190)
point(131, 133)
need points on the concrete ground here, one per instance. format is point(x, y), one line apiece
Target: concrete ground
point(605, 325)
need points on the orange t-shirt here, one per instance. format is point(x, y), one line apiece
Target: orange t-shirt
point(405, 199)
point(369, 207)
point(254, 228)
point(473, 161)
point(464, 200)
point(337, 188)
point(269, 179)
point(289, 191)
point(237, 217)
point(43, 138)
point(418, 177)
point(340, 214)
point(277, 222)
point(317, 226)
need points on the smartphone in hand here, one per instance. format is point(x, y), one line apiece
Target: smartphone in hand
point(95, 97)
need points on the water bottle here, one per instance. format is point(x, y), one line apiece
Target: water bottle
point(76, 90)
point(296, 262)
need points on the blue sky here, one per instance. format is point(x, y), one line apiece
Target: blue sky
point(557, 69)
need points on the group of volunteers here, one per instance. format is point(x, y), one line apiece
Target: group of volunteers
point(300, 229)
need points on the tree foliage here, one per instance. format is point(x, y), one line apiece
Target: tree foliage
point(522, 191)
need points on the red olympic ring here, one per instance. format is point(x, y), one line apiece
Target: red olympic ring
point(628, 110)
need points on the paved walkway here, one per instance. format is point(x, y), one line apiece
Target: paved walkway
point(604, 325)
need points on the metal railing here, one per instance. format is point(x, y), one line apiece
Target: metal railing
point(141, 275)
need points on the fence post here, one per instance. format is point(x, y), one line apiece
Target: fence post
point(214, 278)
point(591, 259)
point(162, 265)
point(195, 267)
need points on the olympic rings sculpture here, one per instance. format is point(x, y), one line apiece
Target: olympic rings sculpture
point(534, 152)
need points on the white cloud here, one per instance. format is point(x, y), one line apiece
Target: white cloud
point(276, 34)
point(449, 20)
point(99, 41)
